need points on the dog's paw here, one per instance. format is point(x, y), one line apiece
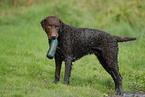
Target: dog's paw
point(66, 82)
point(119, 92)
point(55, 81)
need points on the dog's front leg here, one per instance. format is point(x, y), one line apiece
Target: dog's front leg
point(58, 63)
point(68, 63)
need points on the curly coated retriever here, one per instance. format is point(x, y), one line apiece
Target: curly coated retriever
point(74, 43)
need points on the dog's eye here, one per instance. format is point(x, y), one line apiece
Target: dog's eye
point(57, 27)
point(49, 27)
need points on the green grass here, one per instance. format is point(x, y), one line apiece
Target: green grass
point(23, 47)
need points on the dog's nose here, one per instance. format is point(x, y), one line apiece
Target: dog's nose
point(54, 36)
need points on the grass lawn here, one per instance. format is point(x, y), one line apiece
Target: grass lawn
point(26, 72)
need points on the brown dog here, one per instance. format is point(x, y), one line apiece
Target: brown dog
point(74, 43)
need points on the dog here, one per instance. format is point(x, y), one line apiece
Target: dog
point(74, 43)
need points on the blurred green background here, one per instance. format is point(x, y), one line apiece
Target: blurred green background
point(26, 72)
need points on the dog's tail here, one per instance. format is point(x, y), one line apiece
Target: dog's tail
point(124, 39)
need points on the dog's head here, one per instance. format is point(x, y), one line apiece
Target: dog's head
point(52, 26)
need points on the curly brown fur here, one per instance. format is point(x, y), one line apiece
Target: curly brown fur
point(75, 43)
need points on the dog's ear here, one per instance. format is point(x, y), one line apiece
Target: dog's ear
point(61, 25)
point(43, 23)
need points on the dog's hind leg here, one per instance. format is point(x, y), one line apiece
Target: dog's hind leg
point(70, 70)
point(109, 62)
